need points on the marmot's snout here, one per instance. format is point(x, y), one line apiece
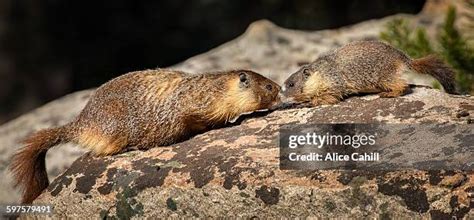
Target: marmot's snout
point(277, 101)
point(267, 91)
point(273, 97)
point(292, 89)
point(293, 86)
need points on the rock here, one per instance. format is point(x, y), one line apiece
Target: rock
point(274, 51)
point(234, 171)
point(264, 47)
point(453, 181)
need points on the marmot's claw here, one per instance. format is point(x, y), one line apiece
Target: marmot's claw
point(234, 119)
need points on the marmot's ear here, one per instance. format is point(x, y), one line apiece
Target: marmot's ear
point(306, 72)
point(243, 76)
point(244, 80)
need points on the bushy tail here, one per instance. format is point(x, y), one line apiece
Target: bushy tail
point(28, 164)
point(435, 67)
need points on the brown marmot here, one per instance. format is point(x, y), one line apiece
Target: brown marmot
point(144, 109)
point(361, 67)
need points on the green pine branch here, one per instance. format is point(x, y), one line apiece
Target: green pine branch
point(451, 45)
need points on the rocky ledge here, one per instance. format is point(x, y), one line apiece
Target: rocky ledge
point(234, 171)
point(266, 48)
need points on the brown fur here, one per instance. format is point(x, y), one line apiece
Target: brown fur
point(435, 67)
point(146, 109)
point(28, 166)
point(361, 67)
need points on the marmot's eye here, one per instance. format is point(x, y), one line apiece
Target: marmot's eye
point(291, 84)
point(243, 77)
point(269, 87)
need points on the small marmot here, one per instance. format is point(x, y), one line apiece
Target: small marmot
point(144, 109)
point(361, 67)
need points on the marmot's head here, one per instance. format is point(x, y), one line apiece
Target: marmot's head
point(306, 83)
point(247, 91)
point(252, 91)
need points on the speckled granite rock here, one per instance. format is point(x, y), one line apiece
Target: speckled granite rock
point(234, 171)
point(275, 52)
point(264, 47)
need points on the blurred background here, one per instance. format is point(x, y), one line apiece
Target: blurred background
point(49, 48)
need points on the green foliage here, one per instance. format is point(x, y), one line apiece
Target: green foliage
point(451, 45)
point(457, 52)
point(399, 34)
point(454, 47)
point(469, 17)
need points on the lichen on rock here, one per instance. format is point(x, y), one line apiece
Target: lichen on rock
point(234, 171)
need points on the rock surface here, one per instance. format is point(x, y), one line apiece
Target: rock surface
point(234, 171)
point(264, 47)
point(275, 52)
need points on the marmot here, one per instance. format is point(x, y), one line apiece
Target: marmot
point(361, 67)
point(144, 109)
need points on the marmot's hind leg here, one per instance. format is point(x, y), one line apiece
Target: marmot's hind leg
point(102, 145)
point(395, 88)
